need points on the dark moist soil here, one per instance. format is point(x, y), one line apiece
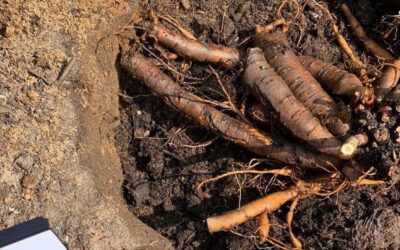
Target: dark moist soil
point(163, 159)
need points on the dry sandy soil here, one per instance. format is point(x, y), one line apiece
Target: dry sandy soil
point(57, 156)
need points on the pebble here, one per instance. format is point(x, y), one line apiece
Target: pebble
point(168, 206)
point(398, 134)
point(381, 135)
point(141, 193)
point(24, 161)
point(141, 133)
point(385, 117)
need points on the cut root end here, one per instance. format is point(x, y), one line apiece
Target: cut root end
point(349, 148)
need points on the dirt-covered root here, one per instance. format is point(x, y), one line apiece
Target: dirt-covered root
point(202, 52)
point(209, 117)
point(333, 79)
point(319, 185)
point(266, 83)
point(305, 88)
point(388, 80)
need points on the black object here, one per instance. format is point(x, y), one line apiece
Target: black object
point(24, 230)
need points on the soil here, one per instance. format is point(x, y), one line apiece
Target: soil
point(93, 151)
point(56, 135)
point(164, 155)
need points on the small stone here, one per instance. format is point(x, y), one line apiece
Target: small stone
point(27, 195)
point(24, 99)
point(28, 182)
point(196, 244)
point(385, 117)
point(381, 135)
point(33, 96)
point(141, 133)
point(397, 134)
point(7, 200)
point(168, 206)
point(362, 122)
point(141, 193)
point(24, 161)
point(194, 200)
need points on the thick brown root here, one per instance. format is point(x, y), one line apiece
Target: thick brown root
point(388, 80)
point(305, 88)
point(266, 83)
point(333, 79)
point(220, 55)
point(230, 128)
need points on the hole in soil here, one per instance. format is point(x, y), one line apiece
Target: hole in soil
point(161, 171)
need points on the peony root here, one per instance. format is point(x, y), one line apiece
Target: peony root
point(263, 226)
point(209, 117)
point(272, 202)
point(263, 80)
point(266, 204)
point(305, 88)
point(388, 80)
point(333, 79)
point(221, 55)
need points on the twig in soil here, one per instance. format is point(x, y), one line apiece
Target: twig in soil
point(35, 74)
point(358, 30)
point(67, 69)
point(169, 153)
point(232, 129)
point(281, 171)
point(296, 2)
point(170, 67)
point(343, 43)
point(228, 96)
point(266, 83)
point(172, 21)
point(220, 55)
point(304, 87)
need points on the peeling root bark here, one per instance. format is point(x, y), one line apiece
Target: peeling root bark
point(203, 52)
point(266, 83)
point(333, 79)
point(209, 117)
point(306, 89)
